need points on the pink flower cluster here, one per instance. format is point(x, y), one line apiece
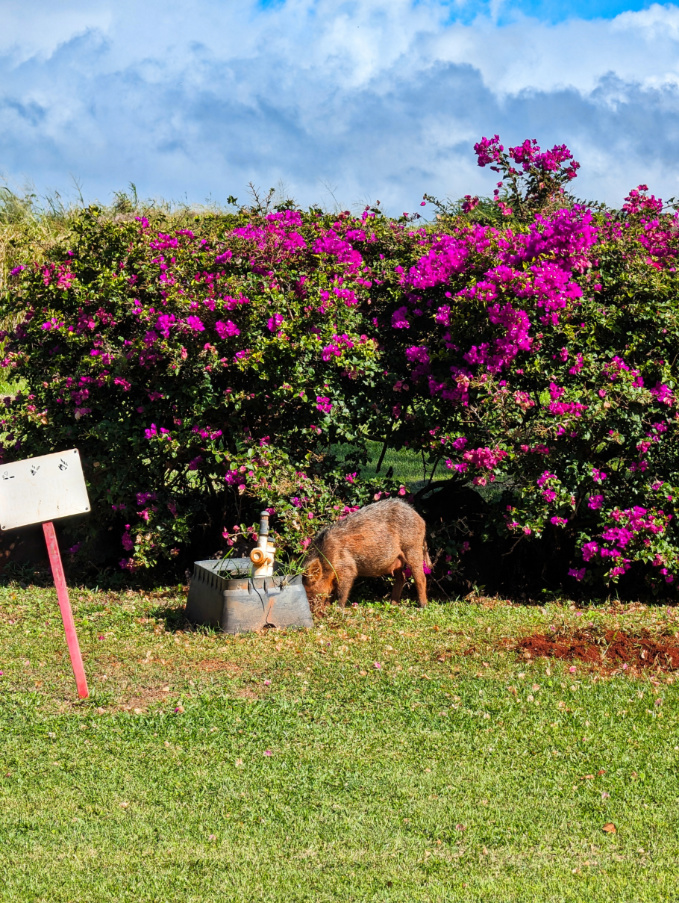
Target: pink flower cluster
point(529, 156)
point(629, 528)
point(484, 459)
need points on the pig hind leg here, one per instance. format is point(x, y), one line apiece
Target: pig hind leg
point(399, 583)
point(399, 579)
point(420, 585)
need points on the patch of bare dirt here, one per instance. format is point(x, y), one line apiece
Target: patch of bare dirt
point(211, 665)
point(140, 703)
point(608, 650)
point(487, 602)
point(249, 692)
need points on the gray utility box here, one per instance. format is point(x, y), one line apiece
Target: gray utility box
point(224, 594)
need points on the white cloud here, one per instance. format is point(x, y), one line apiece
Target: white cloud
point(375, 98)
point(39, 31)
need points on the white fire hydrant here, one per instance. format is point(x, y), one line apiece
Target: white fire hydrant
point(262, 556)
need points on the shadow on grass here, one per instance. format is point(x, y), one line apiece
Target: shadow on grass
point(174, 620)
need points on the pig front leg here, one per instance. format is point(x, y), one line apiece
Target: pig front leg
point(345, 580)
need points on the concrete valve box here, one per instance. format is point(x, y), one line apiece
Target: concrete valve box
point(242, 594)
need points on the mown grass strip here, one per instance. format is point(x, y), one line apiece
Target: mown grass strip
point(387, 754)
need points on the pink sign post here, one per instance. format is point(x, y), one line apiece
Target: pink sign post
point(40, 490)
point(65, 606)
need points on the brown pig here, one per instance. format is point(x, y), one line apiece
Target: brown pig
point(382, 538)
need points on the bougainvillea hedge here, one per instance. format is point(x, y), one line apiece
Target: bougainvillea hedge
point(528, 342)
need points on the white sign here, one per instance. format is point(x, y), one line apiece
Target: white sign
point(42, 489)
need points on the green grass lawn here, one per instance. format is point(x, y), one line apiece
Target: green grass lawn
point(406, 465)
point(389, 754)
point(409, 467)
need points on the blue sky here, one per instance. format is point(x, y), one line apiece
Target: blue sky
point(337, 102)
point(548, 10)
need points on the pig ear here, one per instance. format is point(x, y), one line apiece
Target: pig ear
point(314, 570)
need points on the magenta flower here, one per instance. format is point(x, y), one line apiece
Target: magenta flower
point(323, 404)
point(274, 322)
point(164, 324)
point(226, 329)
point(331, 351)
point(589, 550)
point(398, 320)
point(195, 324)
